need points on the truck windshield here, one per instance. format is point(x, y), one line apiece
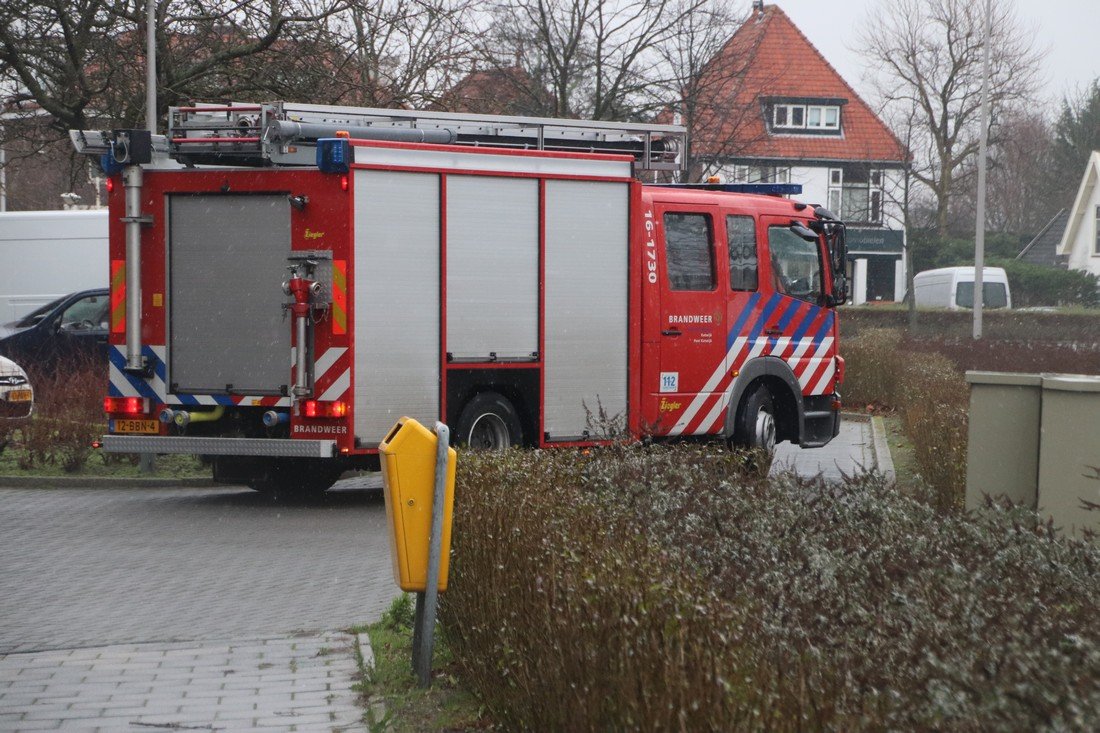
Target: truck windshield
point(796, 265)
point(994, 295)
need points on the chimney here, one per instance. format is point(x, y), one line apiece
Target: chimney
point(758, 6)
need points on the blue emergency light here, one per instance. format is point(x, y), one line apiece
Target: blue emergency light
point(333, 154)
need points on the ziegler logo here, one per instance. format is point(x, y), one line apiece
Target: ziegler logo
point(313, 235)
point(669, 405)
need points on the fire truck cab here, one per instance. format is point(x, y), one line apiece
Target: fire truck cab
point(738, 325)
point(289, 280)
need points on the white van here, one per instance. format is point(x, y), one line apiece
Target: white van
point(953, 287)
point(47, 254)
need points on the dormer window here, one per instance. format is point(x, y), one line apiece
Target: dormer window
point(816, 117)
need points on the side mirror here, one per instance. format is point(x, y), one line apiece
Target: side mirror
point(804, 232)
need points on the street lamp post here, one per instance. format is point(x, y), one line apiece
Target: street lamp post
point(983, 141)
point(151, 66)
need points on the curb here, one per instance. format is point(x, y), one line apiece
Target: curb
point(102, 482)
point(374, 707)
point(883, 460)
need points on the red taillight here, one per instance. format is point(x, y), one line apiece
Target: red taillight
point(316, 408)
point(110, 185)
point(344, 183)
point(125, 405)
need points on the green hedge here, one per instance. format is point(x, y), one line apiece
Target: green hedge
point(1082, 329)
point(1034, 285)
point(655, 589)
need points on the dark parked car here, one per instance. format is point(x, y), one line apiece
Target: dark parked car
point(75, 326)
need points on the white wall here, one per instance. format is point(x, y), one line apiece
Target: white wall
point(815, 184)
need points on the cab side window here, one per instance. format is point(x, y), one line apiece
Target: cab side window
point(796, 265)
point(741, 239)
point(689, 251)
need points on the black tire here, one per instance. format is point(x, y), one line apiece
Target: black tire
point(295, 479)
point(489, 422)
point(755, 428)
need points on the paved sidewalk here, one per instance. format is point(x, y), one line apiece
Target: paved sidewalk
point(292, 683)
point(849, 452)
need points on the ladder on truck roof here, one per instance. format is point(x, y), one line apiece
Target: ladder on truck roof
point(285, 134)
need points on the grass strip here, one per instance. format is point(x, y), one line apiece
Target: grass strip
point(393, 700)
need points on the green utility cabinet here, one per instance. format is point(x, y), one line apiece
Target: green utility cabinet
point(1003, 439)
point(1069, 456)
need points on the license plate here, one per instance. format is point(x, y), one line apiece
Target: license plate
point(20, 395)
point(137, 426)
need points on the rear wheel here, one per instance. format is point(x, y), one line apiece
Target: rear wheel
point(489, 422)
point(755, 428)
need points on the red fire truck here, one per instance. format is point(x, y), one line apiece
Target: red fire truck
point(288, 280)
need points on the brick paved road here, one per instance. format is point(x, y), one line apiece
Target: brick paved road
point(83, 568)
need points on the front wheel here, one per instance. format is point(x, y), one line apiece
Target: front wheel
point(755, 428)
point(489, 422)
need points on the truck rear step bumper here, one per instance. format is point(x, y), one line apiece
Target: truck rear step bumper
point(275, 447)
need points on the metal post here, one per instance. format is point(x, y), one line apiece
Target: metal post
point(3, 170)
point(132, 179)
point(983, 140)
point(151, 66)
point(424, 631)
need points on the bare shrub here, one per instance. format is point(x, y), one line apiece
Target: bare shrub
point(934, 406)
point(653, 588)
point(68, 415)
point(872, 367)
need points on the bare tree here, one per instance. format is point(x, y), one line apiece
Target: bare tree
point(590, 58)
point(1020, 200)
point(81, 63)
point(405, 53)
point(928, 54)
point(85, 59)
point(701, 75)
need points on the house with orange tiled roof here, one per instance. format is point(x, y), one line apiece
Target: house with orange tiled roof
point(796, 120)
point(498, 90)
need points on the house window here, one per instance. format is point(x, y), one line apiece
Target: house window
point(761, 174)
point(855, 194)
point(810, 117)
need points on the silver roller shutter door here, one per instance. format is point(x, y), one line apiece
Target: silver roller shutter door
point(492, 267)
point(396, 300)
point(587, 236)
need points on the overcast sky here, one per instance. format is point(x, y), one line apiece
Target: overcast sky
point(1068, 29)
